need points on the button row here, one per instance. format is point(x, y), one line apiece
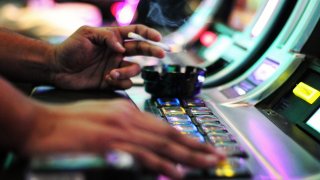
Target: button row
point(191, 117)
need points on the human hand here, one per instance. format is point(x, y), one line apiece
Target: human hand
point(101, 126)
point(92, 58)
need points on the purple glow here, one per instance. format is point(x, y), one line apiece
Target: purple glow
point(126, 13)
point(40, 3)
point(264, 71)
point(273, 150)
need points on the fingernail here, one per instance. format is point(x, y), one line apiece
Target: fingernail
point(178, 175)
point(108, 78)
point(221, 152)
point(120, 46)
point(115, 75)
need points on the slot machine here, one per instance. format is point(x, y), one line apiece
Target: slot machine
point(266, 120)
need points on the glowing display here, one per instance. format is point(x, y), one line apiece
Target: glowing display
point(314, 121)
point(306, 92)
point(263, 72)
point(243, 13)
point(264, 18)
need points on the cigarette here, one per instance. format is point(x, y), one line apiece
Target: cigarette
point(137, 37)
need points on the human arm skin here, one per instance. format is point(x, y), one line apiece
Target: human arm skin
point(24, 59)
point(29, 128)
point(91, 58)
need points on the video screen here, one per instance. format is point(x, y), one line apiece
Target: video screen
point(243, 13)
point(314, 121)
point(263, 72)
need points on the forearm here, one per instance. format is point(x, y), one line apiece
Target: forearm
point(25, 59)
point(16, 113)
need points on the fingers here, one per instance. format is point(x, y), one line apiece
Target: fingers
point(164, 130)
point(143, 48)
point(103, 37)
point(150, 160)
point(119, 84)
point(138, 47)
point(113, 37)
point(120, 78)
point(173, 150)
point(127, 70)
point(142, 30)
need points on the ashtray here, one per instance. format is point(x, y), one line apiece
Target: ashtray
point(173, 80)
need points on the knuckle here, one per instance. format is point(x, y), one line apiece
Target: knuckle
point(172, 133)
point(141, 155)
point(110, 33)
point(85, 29)
point(141, 26)
point(127, 84)
point(164, 145)
point(193, 158)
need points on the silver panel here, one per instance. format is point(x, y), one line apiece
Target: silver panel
point(272, 154)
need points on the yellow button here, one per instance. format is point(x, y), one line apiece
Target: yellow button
point(306, 92)
point(173, 110)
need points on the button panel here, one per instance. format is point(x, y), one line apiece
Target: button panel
point(194, 119)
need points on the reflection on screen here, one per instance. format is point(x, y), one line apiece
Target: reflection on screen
point(263, 72)
point(243, 13)
point(314, 121)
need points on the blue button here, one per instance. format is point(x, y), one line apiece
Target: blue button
point(186, 128)
point(168, 102)
point(197, 136)
point(178, 119)
point(194, 102)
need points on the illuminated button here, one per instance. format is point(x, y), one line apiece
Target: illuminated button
point(186, 128)
point(214, 123)
point(179, 119)
point(306, 92)
point(221, 139)
point(204, 119)
point(232, 150)
point(173, 110)
point(168, 102)
point(211, 129)
point(200, 111)
point(197, 136)
point(195, 102)
point(231, 168)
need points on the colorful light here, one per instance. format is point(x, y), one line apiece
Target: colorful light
point(208, 38)
point(314, 121)
point(264, 18)
point(124, 12)
point(306, 92)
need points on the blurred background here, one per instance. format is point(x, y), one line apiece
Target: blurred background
point(53, 20)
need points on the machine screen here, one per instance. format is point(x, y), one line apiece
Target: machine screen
point(258, 76)
point(263, 72)
point(301, 105)
point(314, 121)
point(237, 18)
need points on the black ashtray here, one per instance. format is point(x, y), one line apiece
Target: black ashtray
point(173, 80)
